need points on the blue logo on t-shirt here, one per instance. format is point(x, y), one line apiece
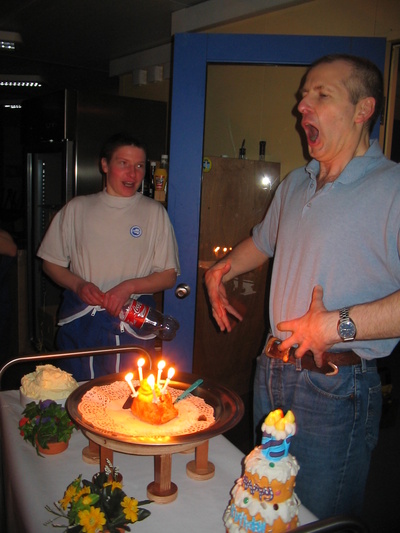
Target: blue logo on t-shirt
point(136, 231)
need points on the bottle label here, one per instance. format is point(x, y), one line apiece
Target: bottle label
point(137, 314)
point(160, 179)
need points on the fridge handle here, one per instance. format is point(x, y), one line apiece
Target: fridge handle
point(70, 181)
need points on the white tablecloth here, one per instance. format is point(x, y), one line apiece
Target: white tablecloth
point(31, 482)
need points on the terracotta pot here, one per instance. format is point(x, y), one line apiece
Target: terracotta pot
point(53, 448)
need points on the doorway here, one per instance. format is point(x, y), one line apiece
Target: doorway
point(392, 130)
point(192, 55)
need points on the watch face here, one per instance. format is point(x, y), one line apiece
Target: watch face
point(347, 330)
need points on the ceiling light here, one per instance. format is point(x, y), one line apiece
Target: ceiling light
point(10, 40)
point(22, 81)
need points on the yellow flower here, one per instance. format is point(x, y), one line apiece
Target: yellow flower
point(114, 485)
point(82, 492)
point(91, 520)
point(69, 495)
point(87, 499)
point(130, 506)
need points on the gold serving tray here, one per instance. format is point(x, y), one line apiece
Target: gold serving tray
point(228, 410)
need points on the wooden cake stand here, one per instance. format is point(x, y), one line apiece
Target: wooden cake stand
point(228, 411)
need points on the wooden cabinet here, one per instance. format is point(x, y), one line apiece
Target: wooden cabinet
point(235, 196)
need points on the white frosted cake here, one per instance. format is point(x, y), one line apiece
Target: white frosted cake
point(263, 499)
point(46, 383)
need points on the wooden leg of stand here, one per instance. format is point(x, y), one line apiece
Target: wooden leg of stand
point(105, 453)
point(201, 468)
point(162, 490)
point(91, 453)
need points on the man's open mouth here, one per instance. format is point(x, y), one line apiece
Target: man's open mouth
point(311, 131)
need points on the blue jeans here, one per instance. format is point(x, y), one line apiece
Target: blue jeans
point(337, 428)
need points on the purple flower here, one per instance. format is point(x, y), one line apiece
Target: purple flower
point(45, 404)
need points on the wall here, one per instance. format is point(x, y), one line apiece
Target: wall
point(253, 103)
point(367, 18)
point(256, 103)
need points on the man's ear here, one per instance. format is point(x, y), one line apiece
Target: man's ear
point(365, 109)
point(104, 165)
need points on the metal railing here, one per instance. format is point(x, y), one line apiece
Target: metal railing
point(73, 353)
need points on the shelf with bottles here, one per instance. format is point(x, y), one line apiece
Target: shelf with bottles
point(155, 182)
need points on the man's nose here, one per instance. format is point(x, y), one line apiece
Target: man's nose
point(304, 105)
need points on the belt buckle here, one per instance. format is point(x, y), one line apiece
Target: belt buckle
point(272, 351)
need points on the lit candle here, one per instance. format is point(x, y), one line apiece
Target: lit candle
point(128, 379)
point(151, 381)
point(160, 366)
point(171, 372)
point(140, 364)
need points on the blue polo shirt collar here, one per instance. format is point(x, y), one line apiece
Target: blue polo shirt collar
point(356, 168)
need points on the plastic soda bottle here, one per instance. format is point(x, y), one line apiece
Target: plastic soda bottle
point(148, 320)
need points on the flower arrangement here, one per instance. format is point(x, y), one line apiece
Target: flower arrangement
point(45, 422)
point(98, 505)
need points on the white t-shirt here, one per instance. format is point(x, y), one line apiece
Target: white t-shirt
point(107, 239)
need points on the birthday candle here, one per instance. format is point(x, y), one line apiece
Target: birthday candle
point(128, 379)
point(171, 372)
point(151, 382)
point(160, 366)
point(140, 364)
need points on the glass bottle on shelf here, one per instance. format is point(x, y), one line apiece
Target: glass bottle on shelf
point(262, 151)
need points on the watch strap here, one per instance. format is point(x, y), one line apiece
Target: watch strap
point(344, 314)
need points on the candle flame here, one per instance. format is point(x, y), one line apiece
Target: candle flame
point(171, 372)
point(141, 362)
point(160, 367)
point(128, 379)
point(151, 381)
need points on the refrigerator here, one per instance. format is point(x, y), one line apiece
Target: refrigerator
point(62, 134)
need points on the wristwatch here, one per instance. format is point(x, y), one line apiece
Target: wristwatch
point(346, 328)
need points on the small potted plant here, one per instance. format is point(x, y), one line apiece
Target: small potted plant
point(97, 505)
point(47, 426)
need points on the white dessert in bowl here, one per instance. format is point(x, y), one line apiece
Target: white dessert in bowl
point(46, 383)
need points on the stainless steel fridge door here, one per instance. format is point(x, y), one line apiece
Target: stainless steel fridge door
point(50, 184)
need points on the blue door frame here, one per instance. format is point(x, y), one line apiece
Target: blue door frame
point(192, 54)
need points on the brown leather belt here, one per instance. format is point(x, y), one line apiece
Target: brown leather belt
point(331, 360)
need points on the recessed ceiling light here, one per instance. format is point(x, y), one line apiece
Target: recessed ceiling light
point(10, 40)
point(21, 81)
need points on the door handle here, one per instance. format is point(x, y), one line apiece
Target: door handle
point(182, 291)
